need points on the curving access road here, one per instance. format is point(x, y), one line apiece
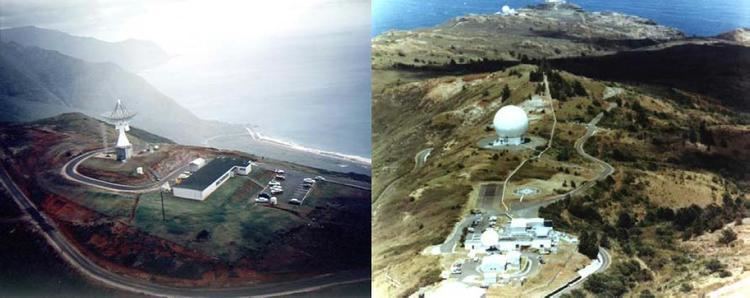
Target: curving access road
point(605, 260)
point(419, 160)
point(70, 171)
point(70, 253)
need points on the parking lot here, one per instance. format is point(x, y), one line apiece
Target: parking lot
point(292, 187)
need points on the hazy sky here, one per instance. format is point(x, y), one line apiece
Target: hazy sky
point(292, 68)
point(187, 25)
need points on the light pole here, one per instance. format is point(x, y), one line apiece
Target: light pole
point(163, 216)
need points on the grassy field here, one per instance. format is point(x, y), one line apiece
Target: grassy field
point(234, 223)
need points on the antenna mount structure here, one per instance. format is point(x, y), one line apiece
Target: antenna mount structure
point(121, 117)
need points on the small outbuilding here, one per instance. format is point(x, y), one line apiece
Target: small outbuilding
point(196, 164)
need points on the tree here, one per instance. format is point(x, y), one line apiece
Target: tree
point(707, 137)
point(604, 241)
point(506, 92)
point(624, 220)
point(687, 216)
point(692, 136)
point(564, 154)
point(686, 287)
point(665, 214)
point(588, 245)
point(578, 89)
point(727, 236)
point(605, 285)
point(646, 294)
point(714, 265)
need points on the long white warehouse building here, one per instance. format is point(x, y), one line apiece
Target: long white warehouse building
point(210, 177)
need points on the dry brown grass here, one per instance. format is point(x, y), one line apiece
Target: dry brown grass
point(675, 188)
point(736, 256)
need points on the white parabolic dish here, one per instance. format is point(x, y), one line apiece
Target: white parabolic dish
point(511, 122)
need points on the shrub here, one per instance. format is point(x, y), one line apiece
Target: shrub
point(727, 236)
point(686, 287)
point(714, 265)
point(724, 273)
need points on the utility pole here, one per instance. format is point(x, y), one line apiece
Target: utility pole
point(163, 216)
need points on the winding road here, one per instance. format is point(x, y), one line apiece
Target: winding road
point(530, 209)
point(419, 159)
point(90, 269)
point(605, 260)
point(70, 171)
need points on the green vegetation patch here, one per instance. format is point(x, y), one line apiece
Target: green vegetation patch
point(227, 224)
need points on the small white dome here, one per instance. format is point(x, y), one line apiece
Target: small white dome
point(489, 238)
point(511, 122)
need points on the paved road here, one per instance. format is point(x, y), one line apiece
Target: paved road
point(419, 159)
point(357, 186)
point(450, 243)
point(70, 171)
point(606, 260)
point(530, 209)
point(92, 270)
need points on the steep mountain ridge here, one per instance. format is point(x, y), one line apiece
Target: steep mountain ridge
point(130, 54)
point(40, 83)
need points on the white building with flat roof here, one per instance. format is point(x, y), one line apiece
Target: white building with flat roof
point(520, 233)
point(210, 177)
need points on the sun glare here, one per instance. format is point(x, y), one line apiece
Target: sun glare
point(201, 26)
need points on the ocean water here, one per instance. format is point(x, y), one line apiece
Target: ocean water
point(310, 88)
point(694, 17)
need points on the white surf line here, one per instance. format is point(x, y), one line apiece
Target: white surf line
point(257, 136)
point(549, 145)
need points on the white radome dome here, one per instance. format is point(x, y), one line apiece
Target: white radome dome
point(489, 238)
point(511, 122)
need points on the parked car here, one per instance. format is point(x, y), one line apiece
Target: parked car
point(295, 202)
point(264, 195)
point(320, 178)
point(471, 229)
point(274, 183)
point(457, 268)
point(280, 177)
point(279, 171)
point(275, 191)
point(308, 180)
point(262, 200)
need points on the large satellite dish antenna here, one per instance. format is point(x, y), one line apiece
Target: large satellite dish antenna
point(120, 116)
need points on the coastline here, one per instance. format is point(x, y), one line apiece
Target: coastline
point(257, 136)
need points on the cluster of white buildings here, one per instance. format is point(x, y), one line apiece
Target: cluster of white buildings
point(502, 249)
point(518, 234)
